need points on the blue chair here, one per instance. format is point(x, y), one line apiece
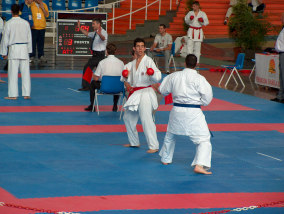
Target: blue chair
point(171, 59)
point(21, 1)
point(6, 6)
point(234, 69)
point(91, 3)
point(8, 2)
point(74, 4)
point(58, 5)
point(110, 85)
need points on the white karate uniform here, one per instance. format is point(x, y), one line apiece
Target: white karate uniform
point(188, 87)
point(142, 102)
point(230, 9)
point(1, 26)
point(195, 36)
point(181, 47)
point(17, 38)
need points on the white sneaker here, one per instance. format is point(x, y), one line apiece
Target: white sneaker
point(42, 59)
point(32, 59)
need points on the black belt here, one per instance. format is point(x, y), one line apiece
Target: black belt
point(186, 105)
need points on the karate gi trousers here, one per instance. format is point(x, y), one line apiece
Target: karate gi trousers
point(145, 111)
point(194, 47)
point(14, 66)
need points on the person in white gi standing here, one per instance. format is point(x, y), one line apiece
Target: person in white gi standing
point(1, 29)
point(196, 19)
point(142, 99)
point(279, 47)
point(17, 38)
point(189, 91)
point(230, 10)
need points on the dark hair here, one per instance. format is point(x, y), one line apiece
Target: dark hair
point(97, 20)
point(163, 25)
point(190, 61)
point(138, 40)
point(197, 3)
point(132, 52)
point(111, 48)
point(15, 8)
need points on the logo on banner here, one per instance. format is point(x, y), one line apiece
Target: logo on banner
point(272, 67)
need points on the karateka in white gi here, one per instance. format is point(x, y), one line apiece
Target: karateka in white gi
point(142, 100)
point(1, 30)
point(230, 10)
point(17, 38)
point(189, 91)
point(196, 19)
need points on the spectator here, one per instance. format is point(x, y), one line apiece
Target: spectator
point(257, 6)
point(230, 10)
point(196, 19)
point(98, 46)
point(162, 44)
point(110, 66)
point(17, 37)
point(181, 46)
point(39, 13)
point(26, 12)
point(279, 47)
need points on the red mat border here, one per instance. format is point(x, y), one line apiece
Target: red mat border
point(47, 129)
point(144, 202)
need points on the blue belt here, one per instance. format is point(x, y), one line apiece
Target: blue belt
point(19, 43)
point(186, 105)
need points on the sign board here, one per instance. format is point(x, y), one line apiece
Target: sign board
point(70, 40)
point(267, 70)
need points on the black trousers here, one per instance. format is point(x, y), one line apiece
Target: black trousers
point(92, 63)
point(259, 8)
point(38, 42)
point(97, 85)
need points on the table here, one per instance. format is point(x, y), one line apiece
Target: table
point(267, 70)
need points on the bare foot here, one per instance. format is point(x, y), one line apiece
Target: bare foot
point(165, 163)
point(128, 145)
point(27, 97)
point(201, 170)
point(152, 151)
point(10, 98)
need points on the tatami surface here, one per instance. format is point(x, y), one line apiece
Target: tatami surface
point(54, 156)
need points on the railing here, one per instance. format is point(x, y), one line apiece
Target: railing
point(112, 5)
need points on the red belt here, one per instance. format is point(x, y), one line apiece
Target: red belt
point(195, 28)
point(137, 89)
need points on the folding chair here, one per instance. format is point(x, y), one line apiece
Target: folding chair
point(58, 5)
point(74, 4)
point(234, 69)
point(110, 85)
point(253, 69)
point(8, 2)
point(6, 6)
point(171, 56)
point(91, 3)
